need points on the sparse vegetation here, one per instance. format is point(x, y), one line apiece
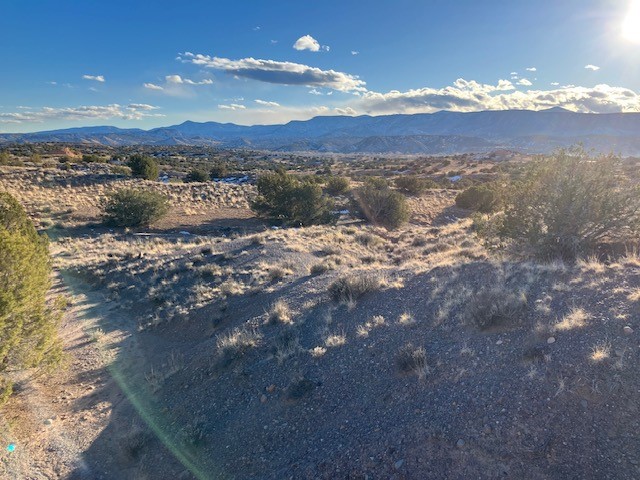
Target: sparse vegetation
point(496, 307)
point(413, 185)
point(196, 175)
point(413, 360)
point(338, 185)
point(352, 287)
point(480, 198)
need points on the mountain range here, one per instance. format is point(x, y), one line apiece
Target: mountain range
point(442, 132)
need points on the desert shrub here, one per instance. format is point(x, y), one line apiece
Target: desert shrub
point(235, 344)
point(495, 307)
point(133, 208)
point(284, 197)
point(412, 185)
point(91, 158)
point(338, 185)
point(196, 175)
point(412, 360)
point(381, 205)
point(143, 167)
point(484, 198)
point(5, 158)
point(568, 203)
point(219, 170)
point(27, 327)
point(352, 287)
point(120, 170)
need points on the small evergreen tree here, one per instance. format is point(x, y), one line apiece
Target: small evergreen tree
point(196, 175)
point(283, 196)
point(133, 208)
point(143, 167)
point(381, 205)
point(27, 327)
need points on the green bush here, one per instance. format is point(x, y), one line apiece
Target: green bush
point(338, 185)
point(568, 203)
point(219, 170)
point(5, 158)
point(484, 198)
point(284, 197)
point(143, 167)
point(381, 205)
point(133, 208)
point(27, 327)
point(413, 185)
point(196, 175)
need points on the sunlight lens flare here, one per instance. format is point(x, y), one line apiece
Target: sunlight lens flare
point(631, 24)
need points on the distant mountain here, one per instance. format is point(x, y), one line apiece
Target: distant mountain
point(425, 133)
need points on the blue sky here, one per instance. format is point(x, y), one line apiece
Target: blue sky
point(152, 63)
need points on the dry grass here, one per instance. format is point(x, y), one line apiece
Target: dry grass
point(280, 313)
point(576, 318)
point(412, 360)
point(496, 307)
point(350, 288)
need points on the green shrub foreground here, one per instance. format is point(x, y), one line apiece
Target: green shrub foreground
point(133, 208)
point(28, 329)
point(566, 204)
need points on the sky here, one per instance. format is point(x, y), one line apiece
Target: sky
point(144, 64)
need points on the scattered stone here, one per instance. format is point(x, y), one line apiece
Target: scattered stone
point(551, 340)
point(460, 443)
point(584, 403)
point(398, 465)
point(271, 388)
point(263, 398)
point(499, 342)
point(627, 330)
point(48, 421)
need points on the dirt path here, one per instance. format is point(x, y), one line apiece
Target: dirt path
point(53, 419)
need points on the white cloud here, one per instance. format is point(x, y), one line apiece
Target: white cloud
point(592, 67)
point(267, 104)
point(355, 52)
point(307, 42)
point(471, 96)
point(52, 83)
point(178, 80)
point(133, 111)
point(273, 42)
point(233, 106)
point(315, 91)
point(525, 82)
point(285, 73)
point(555, 84)
point(152, 86)
point(345, 111)
point(96, 78)
point(531, 69)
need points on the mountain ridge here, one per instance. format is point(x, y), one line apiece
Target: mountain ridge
point(438, 132)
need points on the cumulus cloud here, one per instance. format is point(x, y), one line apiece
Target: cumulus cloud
point(233, 106)
point(152, 86)
point(531, 69)
point(555, 84)
point(307, 42)
point(525, 82)
point(133, 111)
point(592, 67)
point(355, 52)
point(267, 103)
point(178, 80)
point(346, 111)
point(470, 96)
point(285, 73)
point(95, 78)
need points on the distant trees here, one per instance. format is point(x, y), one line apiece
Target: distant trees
point(143, 166)
point(412, 185)
point(133, 208)
point(380, 204)
point(196, 175)
point(297, 202)
point(219, 170)
point(27, 327)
